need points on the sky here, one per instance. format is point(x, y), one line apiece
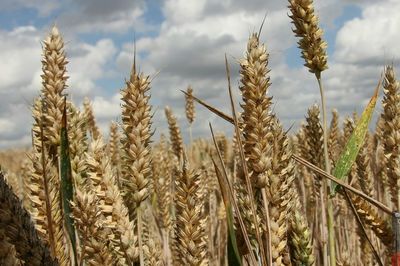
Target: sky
point(181, 43)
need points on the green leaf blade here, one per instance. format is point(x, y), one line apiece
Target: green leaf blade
point(355, 142)
point(67, 189)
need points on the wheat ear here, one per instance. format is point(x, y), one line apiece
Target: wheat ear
point(391, 126)
point(280, 192)
point(78, 145)
point(334, 138)
point(189, 107)
point(114, 150)
point(190, 245)
point(313, 47)
point(111, 202)
point(90, 226)
point(174, 132)
point(44, 190)
point(256, 105)
point(91, 121)
point(19, 229)
point(300, 241)
point(136, 126)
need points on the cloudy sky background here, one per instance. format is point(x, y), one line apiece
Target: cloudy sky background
point(183, 42)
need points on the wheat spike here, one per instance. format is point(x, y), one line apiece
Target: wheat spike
point(364, 172)
point(47, 114)
point(91, 121)
point(174, 132)
point(370, 217)
point(78, 145)
point(256, 104)
point(114, 150)
point(163, 186)
point(300, 241)
point(53, 85)
point(111, 202)
point(7, 252)
point(152, 247)
point(17, 227)
point(334, 138)
point(44, 190)
point(90, 225)
point(279, 192)
point(391, 138)
point(189, 107)
point(313, 47)
point(312, 150)
point(190, 245)
point(136, 126)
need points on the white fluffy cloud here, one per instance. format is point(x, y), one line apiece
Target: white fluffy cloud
point(102, 16)
point(87, 64)
point(372, 38)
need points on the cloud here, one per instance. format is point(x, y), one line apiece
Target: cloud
point(103, 16)
point(43, 7)
point(372, 38)
point(87, 64)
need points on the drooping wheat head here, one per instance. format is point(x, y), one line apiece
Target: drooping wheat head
point(311, 43)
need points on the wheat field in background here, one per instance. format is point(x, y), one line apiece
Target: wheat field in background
point(77, 197)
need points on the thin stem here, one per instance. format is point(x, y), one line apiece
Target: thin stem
point(191, 141)
point(322, 173)
point(238, 134)
point(324, 124)
point(140, 240)
point(331, 232)
point(167, 251)
point(358, 219)
point(268, 226)
point(47, 192)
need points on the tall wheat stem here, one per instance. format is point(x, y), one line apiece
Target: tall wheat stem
point(331, 230)
point(140, 230)
point(191, 141)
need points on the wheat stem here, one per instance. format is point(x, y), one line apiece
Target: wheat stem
point(331, 230)
point(140, 237)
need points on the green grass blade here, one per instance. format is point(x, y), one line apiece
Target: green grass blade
point(233, 251)
point(355, 142)
point(67, 189)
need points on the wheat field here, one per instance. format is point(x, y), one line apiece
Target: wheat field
point(78, 197)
